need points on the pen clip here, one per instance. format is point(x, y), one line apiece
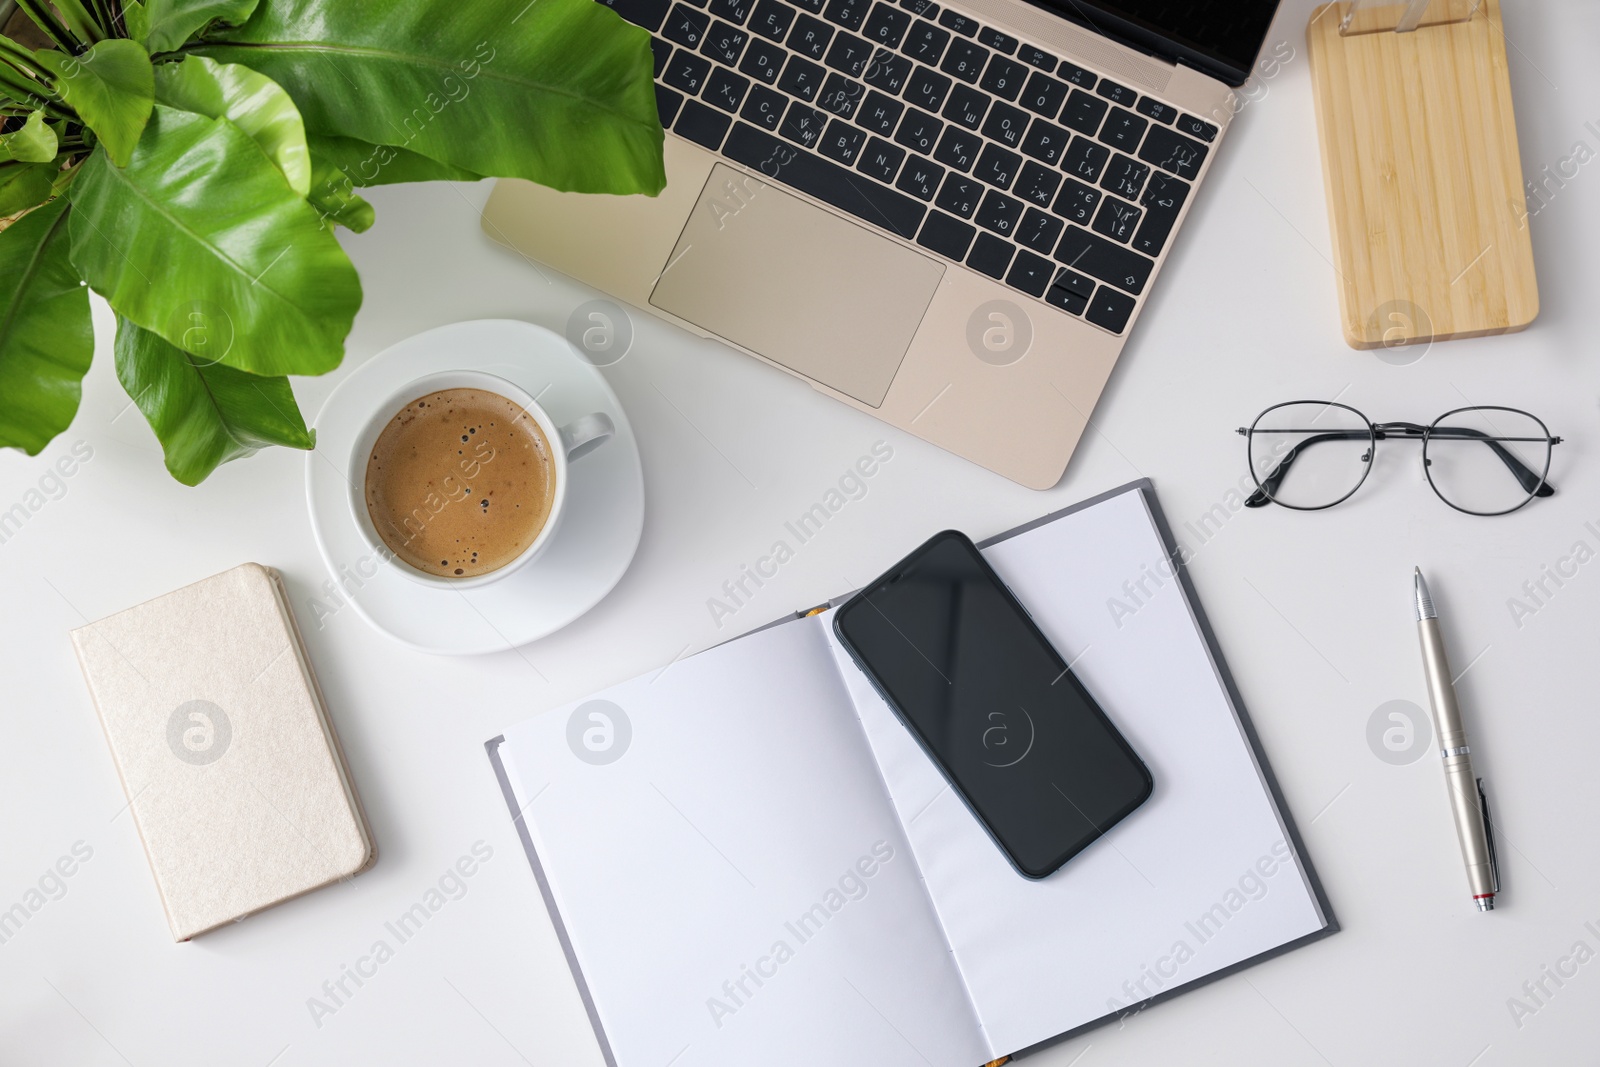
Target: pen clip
point(1488, 836)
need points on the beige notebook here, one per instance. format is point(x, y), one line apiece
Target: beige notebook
point(231, 767)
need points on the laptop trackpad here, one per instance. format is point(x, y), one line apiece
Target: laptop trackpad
point(823, 296)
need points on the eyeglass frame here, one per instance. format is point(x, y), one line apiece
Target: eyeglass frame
point(1410, 431)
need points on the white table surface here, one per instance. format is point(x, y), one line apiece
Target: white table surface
point(1312, 612)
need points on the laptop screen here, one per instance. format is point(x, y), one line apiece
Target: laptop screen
point(1220, 37)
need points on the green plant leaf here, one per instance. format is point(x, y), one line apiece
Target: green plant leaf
point(334, 197)
point(560, 93)
point(33, 143)
point(22, 185)
point(111, 87)
point(172, 22)
point(367, 164)
point(199, 221)
point(136, 20)
point(204, 414)
point(46, 338)
point(253, 102)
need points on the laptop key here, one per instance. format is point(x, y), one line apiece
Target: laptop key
point(1110, 262)
point(1006, 124)
point(841, 95)
point(667, 103)
point(849, 54)
point(945, 235)
point(813, 6)
point(925, 8)
point(1196, 127)
point(725, 89)
point(880, 114)
point(801, 78)
point(887, 26)
point(990, 255)
point(1037, 184)
point(686, 71)
point(763, 61)
point(1125, 177)
point(764, 107)
point(965, 60)
point(960, 195)
point(803, 124)
point(1039, 231)
point(685, 26)
point(1070, 292)
point(1076, 75)
point(1000, 42)
point(999, 213)
point(918, 131)
point(647, 13)
point(958, 148)
point(826, 180)
point(733, 10)
point(1116, 219)
point(842, 142)
point(1109, 309)
point(1085, 159)
point(1037, 57)
point(966, 106)
point(1084, 112)
point(954, 20)
point(847, 13)
point(1155, 109)
point(881, 160)
point(927, 89)
point(660, 50)
point(1163, 200)
point(810, 37)
point(1123, 129)
point(1004, 77)
point(1077, 202)
point(701, 125)
point(997, 166)
point(1173, 152)
point(887, 71)
point(925, 42)
point(1045, 141)
point(920, 178)
point(772, 20)
point(724, 42)
point(1030, 273)
point(1117, 94)
point(1044, 95)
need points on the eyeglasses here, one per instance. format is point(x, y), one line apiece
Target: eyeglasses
point(1481, 460)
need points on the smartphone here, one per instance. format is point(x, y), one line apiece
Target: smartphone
point(1020, 740)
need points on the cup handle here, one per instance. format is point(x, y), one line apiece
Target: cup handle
point(583, 435)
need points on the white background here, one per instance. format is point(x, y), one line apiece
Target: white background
point(1312, 612)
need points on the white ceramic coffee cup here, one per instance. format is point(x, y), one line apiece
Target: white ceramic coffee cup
point(567, 444)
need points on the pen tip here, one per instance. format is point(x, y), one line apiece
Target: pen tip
point(1424, 598)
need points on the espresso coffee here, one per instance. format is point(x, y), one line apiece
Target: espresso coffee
point(460, 482)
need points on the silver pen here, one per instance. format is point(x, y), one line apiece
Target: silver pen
point(1467, 801)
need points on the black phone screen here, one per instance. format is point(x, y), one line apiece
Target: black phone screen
point(963, 665)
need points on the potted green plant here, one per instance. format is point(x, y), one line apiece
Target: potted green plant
point(189, 159)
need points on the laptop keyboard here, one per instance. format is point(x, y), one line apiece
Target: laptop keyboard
point(923, 122)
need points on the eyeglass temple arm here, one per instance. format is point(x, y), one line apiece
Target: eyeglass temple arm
point(1269, 485)
point(1530, 481)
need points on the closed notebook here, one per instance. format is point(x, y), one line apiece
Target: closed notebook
point(232, 770)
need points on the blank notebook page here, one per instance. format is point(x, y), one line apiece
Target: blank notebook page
point(1198, 878)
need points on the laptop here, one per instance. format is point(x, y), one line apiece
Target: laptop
point(945, 215)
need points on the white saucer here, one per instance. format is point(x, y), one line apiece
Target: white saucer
point(598, 536)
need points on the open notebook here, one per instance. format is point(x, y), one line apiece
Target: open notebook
point(750, 860)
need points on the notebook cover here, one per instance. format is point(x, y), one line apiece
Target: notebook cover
point(1291, 833)
point(231, 767)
